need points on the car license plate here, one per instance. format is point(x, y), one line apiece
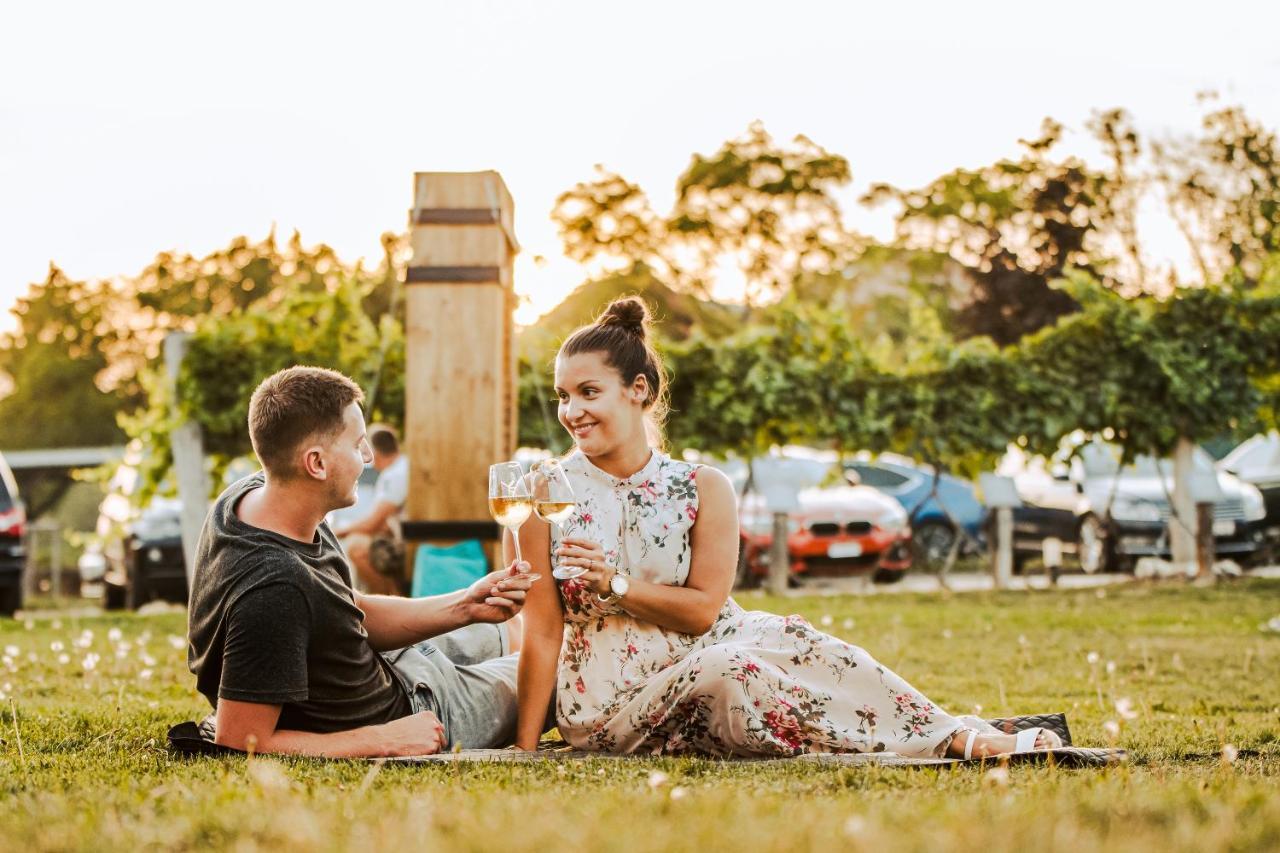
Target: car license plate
point(837, 550)
point(1226, 527)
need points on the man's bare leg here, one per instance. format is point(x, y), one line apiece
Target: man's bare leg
point(358, 552)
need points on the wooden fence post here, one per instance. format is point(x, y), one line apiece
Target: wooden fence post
point(460, 380)
point(188, 459)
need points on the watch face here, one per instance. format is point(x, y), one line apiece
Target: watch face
point(619, 584)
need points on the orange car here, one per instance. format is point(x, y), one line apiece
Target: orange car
point(837, 531)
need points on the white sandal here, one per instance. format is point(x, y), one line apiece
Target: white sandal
point(968, 747)
point(1025, 741)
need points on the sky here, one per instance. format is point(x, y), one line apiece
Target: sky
point(131, 128)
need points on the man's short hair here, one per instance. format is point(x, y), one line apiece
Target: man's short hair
point(293, 405)
point(382, 438)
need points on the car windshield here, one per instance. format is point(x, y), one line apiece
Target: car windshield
point(1103, 460)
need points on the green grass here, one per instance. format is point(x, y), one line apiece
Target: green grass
point(90, 771)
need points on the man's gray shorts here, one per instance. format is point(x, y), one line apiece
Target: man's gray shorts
point(467, 678)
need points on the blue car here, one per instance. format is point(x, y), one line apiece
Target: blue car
point(910, 484)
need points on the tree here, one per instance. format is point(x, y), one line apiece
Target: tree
point(1223, 190)
point(55, 361)
point(765, 208)
point(1016, 225)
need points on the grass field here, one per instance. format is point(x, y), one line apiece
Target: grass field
point(1184, 678)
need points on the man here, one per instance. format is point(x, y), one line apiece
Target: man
point(292, 659)
point(374, 544)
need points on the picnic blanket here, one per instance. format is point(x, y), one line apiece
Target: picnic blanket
point(196, 739)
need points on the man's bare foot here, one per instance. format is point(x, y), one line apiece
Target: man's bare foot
point(989, 745)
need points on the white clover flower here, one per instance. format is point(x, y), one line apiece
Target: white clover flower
point(269, 775)
point(12, 651)
point(847, 624)
point(3, 695)
point(1093, 658)
point(1112, 728)
point(148, 660)
point(1111, 667)
point(64, 659)
point(657, 779)
point(56, 624)
point(946, 633)
point(855, 825)
point(90, 662)
point(827, 620)
point(1022, 639)
point(145, 675)
point(996, 776)
point(177, 642)
point(29, 624)
point(679, 792)
point(56, 646)
point(114, 635)
point(1229, 752)
point(1124, 707)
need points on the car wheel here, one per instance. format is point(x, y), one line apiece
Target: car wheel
point(932, 541)
point(1093, 545)
point(136, 591)
point(887, 576)
point(10, 599)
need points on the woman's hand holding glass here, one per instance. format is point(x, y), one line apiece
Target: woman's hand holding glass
point(587, 559)
point(554, 502)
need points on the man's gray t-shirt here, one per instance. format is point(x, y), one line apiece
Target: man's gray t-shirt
point(274, 621)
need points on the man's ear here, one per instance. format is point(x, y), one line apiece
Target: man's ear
point(313, 463)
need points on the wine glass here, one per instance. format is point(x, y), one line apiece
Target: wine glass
point(554, 503)
point(509, 500)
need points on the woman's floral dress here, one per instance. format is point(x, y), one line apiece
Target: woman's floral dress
point(755, 684)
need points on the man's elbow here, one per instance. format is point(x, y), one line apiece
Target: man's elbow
point(242, 741)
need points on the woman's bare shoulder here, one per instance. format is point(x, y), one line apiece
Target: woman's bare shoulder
point(712, 482)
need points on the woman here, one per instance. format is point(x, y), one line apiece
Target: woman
point(646, 652)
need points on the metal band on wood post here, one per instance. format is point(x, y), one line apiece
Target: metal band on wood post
point(420, 531)
point(455, 216)
point(452, 275)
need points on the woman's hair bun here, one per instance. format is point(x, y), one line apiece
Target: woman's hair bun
point(628, 313)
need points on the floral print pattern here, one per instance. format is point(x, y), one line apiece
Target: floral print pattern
point(756, 684)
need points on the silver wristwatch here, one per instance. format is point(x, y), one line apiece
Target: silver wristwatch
point(618, 586)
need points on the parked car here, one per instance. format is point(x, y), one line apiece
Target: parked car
point(13, 557)
point(838, 530)
point(1107, 518)
point(146, 562)
point(932, 532)
point(1257, 462)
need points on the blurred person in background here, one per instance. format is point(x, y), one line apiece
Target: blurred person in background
point(374, 543)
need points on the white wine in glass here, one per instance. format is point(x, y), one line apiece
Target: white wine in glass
point(509, 500)
point(555, 504)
